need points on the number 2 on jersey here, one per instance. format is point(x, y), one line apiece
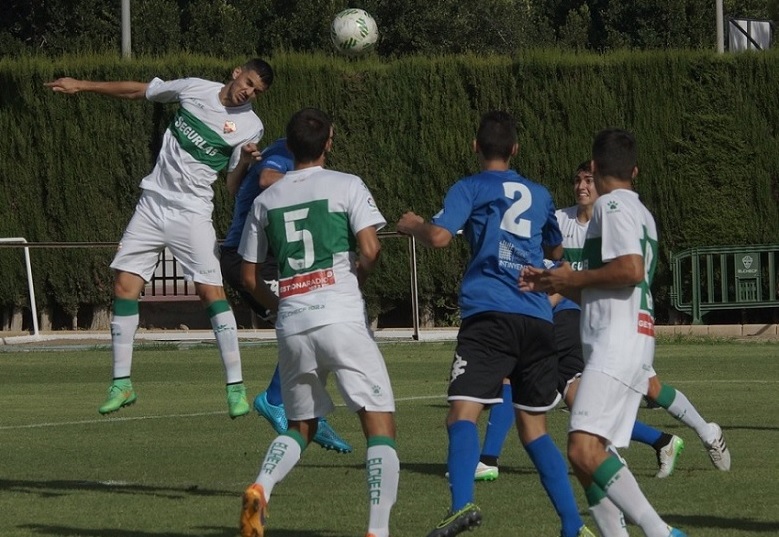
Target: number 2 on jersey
point(512, 219)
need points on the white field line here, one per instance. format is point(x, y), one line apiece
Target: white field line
point(397, 400)
point(166, 416)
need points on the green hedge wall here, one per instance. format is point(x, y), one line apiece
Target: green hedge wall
point(707, 127)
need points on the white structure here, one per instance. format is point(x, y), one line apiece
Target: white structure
point(749, 34)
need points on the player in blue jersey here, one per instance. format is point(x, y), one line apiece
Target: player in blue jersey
point(573, 223)
point(276, 160)
point(214, 128)
point(509, 223)
point(617, 330)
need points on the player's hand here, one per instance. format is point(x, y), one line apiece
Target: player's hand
point(250, 154)
point(269, 316)
point(555, 280)
point(408, 222)
point(64, 85)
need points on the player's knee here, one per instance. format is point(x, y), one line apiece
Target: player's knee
point(210, 293)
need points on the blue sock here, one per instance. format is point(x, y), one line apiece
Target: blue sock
point(273, 391)
point(645, 434)
point(461, 461)
point(501, 419)
point(553, 472)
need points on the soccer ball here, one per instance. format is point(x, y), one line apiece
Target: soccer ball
point(354, 31)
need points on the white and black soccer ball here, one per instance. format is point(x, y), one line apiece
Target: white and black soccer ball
point(354, 31)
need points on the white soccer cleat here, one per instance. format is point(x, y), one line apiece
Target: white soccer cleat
point(718, 449)
point(485, 472)
point(667, 455)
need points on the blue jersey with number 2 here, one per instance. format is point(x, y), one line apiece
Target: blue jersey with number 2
point(507, 220)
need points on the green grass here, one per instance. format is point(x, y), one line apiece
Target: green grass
point(175, 465)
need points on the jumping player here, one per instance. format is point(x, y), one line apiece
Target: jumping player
point(214, 128)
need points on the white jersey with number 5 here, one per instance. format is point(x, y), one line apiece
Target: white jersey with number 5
point(310, 219)
point(617, 325)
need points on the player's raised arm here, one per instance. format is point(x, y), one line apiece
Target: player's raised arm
point(250, 154)
point(122, 89)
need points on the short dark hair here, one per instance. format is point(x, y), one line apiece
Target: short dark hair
point(497, 135)
point(307, 133)
point(262, 68)
point(585, 166)
point(615, 153)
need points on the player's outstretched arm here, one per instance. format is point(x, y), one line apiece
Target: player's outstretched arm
point(557, 280)
point(122, 89)
point(428, 234)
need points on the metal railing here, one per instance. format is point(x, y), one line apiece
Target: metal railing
point(712, 278)
point(168, 282)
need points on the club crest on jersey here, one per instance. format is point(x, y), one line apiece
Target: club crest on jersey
point(229, 127)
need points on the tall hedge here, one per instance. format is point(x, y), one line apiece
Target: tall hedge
point(706, 125)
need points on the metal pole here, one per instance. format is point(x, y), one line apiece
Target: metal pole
point(720, 28)
point(126, 41)
point(412, 250)
point(30, 286)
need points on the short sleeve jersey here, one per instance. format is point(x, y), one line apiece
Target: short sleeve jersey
point(310, 219)
point(274, 157)
point(574, 233)
point(618, 324)
point(507, 220)
point(203, 138)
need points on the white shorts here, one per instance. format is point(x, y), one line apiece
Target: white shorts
point(349, 352)
point(605, 407)
point(157, 224)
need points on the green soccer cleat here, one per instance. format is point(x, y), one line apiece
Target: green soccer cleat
point(237, 405)
point(584, 531)
point(465, 519)
point(120, 394)
point(667, 455)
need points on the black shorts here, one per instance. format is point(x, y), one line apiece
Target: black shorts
point(492, 346)
point(569, 347)
point(230, 263)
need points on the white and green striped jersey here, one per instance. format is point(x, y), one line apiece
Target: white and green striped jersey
point(574, 232)
point(310, 220)
point(203, 138)
point(617, 324)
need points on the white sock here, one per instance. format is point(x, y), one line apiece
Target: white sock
point(123, 328)
point(682, 410)
point(383, 470)
point(282, 456)
point(609, 519)
point(226, 332)
point(624, 491)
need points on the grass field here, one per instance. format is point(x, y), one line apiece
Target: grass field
point(175, 465)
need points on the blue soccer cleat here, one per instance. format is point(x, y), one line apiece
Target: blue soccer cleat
point(327, 438)
point(273, 413)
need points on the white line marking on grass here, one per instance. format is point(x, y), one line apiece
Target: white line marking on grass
point(165, 416)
